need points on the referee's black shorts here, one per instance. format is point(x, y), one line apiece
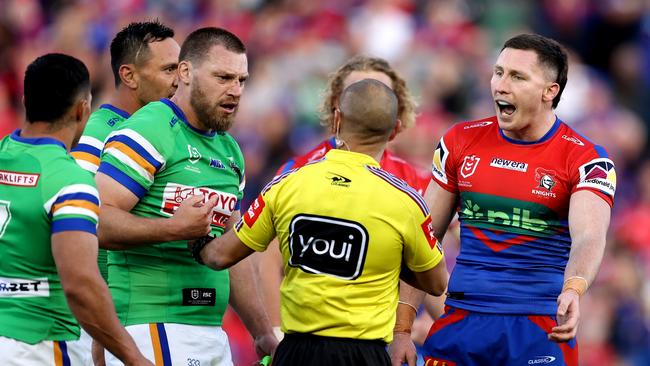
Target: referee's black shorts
point(312, 350)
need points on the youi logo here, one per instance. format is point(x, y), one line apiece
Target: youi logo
point(541, 360)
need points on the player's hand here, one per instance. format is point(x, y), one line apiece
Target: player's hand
point(192, 218)
point(97, 352)
point(402, 350)
point(568, 316)
point(266, 344)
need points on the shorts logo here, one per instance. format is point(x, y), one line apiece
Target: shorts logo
point(174, 194)
point(327, 245)
point(541, 360)
point(599, 174)
point(509, 164)
point(18, 287)
point(254, 211)
point(199, 296)
point(195, 155)
point(339, 180)
point(18, 179)
point(439, 161)
point(470, 163)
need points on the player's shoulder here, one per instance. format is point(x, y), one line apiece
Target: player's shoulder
point(62, 169)
point(474, 128)
point(573, 142)
point(394, 186)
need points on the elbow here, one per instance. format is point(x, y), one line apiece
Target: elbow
point(216, 262)
point(439, 287)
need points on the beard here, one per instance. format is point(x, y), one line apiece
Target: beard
point(208, 113)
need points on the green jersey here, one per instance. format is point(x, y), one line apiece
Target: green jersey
point(42, 192)
point(101, 123)
point(163, 160)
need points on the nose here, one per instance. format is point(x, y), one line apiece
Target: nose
point(500, 84)
point(236, 88)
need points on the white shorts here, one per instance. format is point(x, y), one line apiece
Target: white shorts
point(168, 344)
point(82, 346)
point(45, 353)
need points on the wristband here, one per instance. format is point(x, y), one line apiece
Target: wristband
point(197, 246)
point(576, 283)
point(405, 316)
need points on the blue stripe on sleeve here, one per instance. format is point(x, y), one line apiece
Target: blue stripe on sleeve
point(87, 149)
point(122, 178)
point(137, 148)
point(74, 224)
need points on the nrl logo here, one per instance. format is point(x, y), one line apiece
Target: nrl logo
point(469, 165)
point(195, 156)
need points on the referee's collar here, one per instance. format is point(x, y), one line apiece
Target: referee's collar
point(351, 157)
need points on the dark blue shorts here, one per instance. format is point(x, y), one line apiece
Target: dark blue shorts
point(464, 338)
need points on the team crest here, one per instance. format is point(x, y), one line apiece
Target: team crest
point(439, 161)
point(470, 163)
point(195, 155)
point(545, 178)
point(599, 174)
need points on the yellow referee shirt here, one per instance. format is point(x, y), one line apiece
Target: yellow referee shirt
point(345, 226)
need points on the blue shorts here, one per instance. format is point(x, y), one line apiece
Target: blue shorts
point(464, 338)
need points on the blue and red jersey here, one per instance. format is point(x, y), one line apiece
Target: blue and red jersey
point(389, 162)
point(513, 209)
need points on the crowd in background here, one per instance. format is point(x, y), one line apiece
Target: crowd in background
point(445, 50)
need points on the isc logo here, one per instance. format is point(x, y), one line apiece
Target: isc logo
point(328, 245)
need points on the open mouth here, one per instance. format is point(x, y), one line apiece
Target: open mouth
point(229, 107)
point(505, 107)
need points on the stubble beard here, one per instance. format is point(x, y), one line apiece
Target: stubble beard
point(207, 113)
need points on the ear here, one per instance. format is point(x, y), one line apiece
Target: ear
point(336, 123)
point(82, 110)
point(396, 129)
point(550, 92)
point(128, 76)
point(184, 72)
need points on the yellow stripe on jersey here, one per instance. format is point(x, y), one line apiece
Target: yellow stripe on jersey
point(81, 155)
point(155, 341)
point(126, 150)
point(76, 203)
point(58, 355)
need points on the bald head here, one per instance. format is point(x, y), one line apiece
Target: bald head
point(369, 111)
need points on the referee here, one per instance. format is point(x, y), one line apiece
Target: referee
point(347, 230)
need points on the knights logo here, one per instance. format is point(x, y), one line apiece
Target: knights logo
point(545, 178)
point(470, 163)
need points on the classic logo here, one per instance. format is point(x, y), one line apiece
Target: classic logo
point(541, 360)
point(254, 211)
point(338, 180)
point(470, 163)
point(478, 124)
point(195, 156)
point(18, 179)
point(599, 174)
point(509, 164)
point(573, 139)
point(19, 287)
point(327, 245)
point(439, 161)
point(174, 194)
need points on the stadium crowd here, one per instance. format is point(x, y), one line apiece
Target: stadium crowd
point(445, 50)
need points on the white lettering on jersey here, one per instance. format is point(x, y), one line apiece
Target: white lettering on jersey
point(175, 193)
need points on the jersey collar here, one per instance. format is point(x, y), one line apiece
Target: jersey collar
point(547, 136)
point(122, 113)
point(36, 140)
point(179, 113)
point(350, 157)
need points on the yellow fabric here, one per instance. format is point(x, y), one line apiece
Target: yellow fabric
point(330, 206)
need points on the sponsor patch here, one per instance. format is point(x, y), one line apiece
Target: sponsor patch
point(217, 163)
point(427, 228)
point(478, 124)
point(18, 179)
point(439, 161)
point(19, 287)
point(509, 164)
point(470, 163)
point(254, 211)
point(599, 174)
point(327, 245)
point(199, 296)
point(174, 194)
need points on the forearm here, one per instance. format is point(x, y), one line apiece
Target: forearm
point(246, 300)
point(120, 229)
point(91, 303)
